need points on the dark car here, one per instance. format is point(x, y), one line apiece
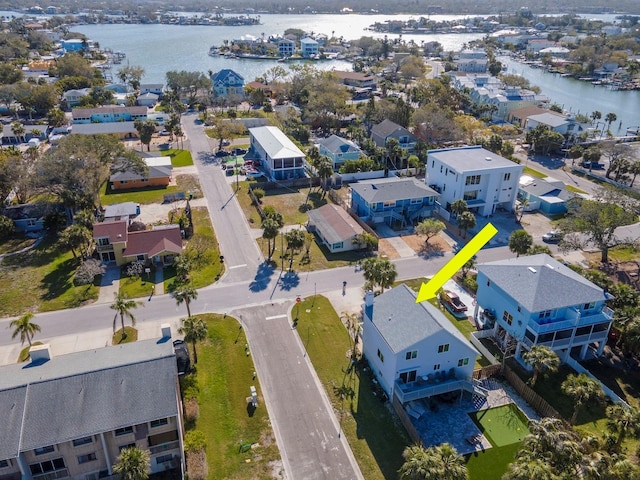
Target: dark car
point(552, 237)
point(222, 153)
point(238, 151)
point(182, 357)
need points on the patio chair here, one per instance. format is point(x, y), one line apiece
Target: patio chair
point(430, 378)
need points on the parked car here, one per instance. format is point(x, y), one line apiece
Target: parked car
point(164, 133)
point(552, 237)
point(452, 302)
point(222, 153)
point(254, 175)
point(182, 357)
point(593, 165)
point(238, 151)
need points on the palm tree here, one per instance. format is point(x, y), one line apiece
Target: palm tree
point(623, 421)
point(528, 469)
point(595, 115)
point(520, 242)
point(459, 206)
point(123, 307)
point(24, 327)
point(132, 464)
point(270, 229)
point(610, 118)
point(634, 169)
point(194, 330)
point(582, 389)
point(325, 170)
point(466, 221)
point(379, 271)
point(441, 462)
point(185, 293)
point(542, 359)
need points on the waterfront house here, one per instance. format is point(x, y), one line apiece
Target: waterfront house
point(335, 228)
point(472, 60)
point(74, 45)
point(147, 99)
point(276, 153)
point(539, 301)
point(286, 47)
point(159, 174)
point(70, 416)
point(338, 150)
point(155, 88)
point(227, 83)
point(114, 243)
point(308, 47)
point(555, 121)
point(387, 129)
point(413, 350)
point(395, 201)
point(485, 180)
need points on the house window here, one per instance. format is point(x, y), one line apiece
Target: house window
point(507, 176)
point(159, 423)
point(440, 168)
point(472, 180)
point(164, 458)
point(123, 431)
point(140, 258)
point(47, 466)
point(82, 441)
point(103, 242)
point(507, 317)
point(433, 164)
point(390, 203)
point(416, 201)
point(43, 450)
point(380, 356)
point(463, 361)
point(436, 366)
point(488, 283)
point(411, 355)
point(544, 314)
point(89, 457)
point(443, 348)
point(519, 308)
point(589, 306)
point(5, 463)
point(472, 195)
point(337, 245)
point(407, 377)
point(128, 445)
point(31, 222)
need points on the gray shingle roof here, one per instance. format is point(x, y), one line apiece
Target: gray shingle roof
point(541, 188)
point(539, 282)
point(387, 127)
point(389, 189)
point(551, 119)
point(336, 144)
point(86, 393)
point(118, 128)
point(402, 322)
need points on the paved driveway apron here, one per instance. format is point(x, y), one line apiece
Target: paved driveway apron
point(302, 417)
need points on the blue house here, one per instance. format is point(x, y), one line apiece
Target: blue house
point(308, 47)
point(537, 300)
point(339, 150)
point(227, 82)
point(395, 201)
point(549, 197)
point(30, 217)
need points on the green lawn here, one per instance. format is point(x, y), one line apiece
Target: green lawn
point(377, 442)
point(137, 286)
point(492, 463)
point(289, 202)
point(222, 378)
point(502, 425)
point(41, 280)
point(533, 173)
point(573, 189)
point(142, 196)
point(179, 158)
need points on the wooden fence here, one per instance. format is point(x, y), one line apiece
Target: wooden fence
point(406, 421)
point(531, 397)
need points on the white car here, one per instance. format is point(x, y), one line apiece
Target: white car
point(254, 175)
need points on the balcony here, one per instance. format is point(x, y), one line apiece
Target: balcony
point(407, 392)
point(104, 248)
point(164, 447)
point(62, 473)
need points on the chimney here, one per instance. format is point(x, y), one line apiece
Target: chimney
point(165, 328)
point(368, 298)
point(40, 353)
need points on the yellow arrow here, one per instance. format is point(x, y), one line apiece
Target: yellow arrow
point(428, 290)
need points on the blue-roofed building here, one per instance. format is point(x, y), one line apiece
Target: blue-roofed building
point(69, 416)
point(339, 150)
point(539, 301)
point(395, 201)
point(412, 348)
point(226, 82)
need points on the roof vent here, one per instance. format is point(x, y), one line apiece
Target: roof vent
point(533, 270)
point(374, 186)
point(549, 266)
point(488, 159)
point(119, 235)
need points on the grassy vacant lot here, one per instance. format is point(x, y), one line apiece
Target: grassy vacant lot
point(41, 280)
point(289, 202)
point(533, 173)
point(179, 158)
point(142, 195)
point(377, 442)
point(222, 378)
point(15, 243)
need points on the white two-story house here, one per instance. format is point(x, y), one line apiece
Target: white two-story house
point(413, 349)
point(539, 301)
point(485, 180)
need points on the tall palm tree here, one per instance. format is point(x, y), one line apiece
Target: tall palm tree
point(418, 464)
point(441, 462)
point(459, 206)
point(123, 307)
point(466, 221)
point(194, 330)
point(133, 464)
point(270, 229)
point(379, 271)
point(527, 469)
point(610, 118)
point(542, 359)
point(24, 327)
point(623, 421)
point(582, 389)
point(185, 293)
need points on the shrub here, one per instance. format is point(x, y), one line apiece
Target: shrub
point(137, 226)
point(135, 269)
point(194, 440)
point(197, 467)
point(259, 194)
point(7, 227)
point(88, 271)
point(191, 409)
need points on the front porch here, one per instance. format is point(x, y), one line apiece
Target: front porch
point(429, 386)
